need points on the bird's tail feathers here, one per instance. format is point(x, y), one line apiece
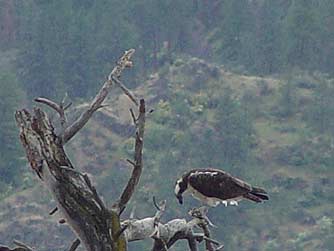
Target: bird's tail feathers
point(261, 196)
point(258, 190)
point(257, 194)
point(252, 197)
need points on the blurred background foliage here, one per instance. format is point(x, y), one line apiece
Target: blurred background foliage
point(246, 86)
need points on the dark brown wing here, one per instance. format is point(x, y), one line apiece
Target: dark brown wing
point(217, 183)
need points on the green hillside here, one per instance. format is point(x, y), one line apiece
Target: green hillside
point(259, 129)
point(246, 86)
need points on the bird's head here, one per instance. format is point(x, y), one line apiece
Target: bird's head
point(181, 186)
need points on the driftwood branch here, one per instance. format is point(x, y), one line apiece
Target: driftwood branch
point(165, 235)
point(201, 220)
point(138, 162)
point(122, 63)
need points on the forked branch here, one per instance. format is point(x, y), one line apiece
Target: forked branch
point(122, 63)
point(58, 108)
point(165, 235)
point(138, 159)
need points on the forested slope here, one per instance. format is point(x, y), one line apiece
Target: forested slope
point(260, 129)
point(245, 86)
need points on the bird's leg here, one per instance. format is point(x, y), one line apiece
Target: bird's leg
point(234, 203)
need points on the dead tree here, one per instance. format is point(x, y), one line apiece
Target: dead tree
point(97, 227)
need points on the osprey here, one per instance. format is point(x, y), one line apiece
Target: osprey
point(213, 186)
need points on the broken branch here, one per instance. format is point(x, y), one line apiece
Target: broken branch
point(74, 245)
point(138, 163)
point(125, 90)
point(49, 103)
point(201, 214)
point(134, 120)
point(22, 245)
point(123, 62)
point(58, 108)
point(53, 211)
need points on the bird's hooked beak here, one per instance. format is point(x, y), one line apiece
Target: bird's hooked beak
point(180, 198)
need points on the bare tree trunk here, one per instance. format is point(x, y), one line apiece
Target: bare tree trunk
point(75, 196)
point(97, 227)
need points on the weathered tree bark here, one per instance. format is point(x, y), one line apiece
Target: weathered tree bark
point(165, 235)
point(97, 227)
point(76, 197)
